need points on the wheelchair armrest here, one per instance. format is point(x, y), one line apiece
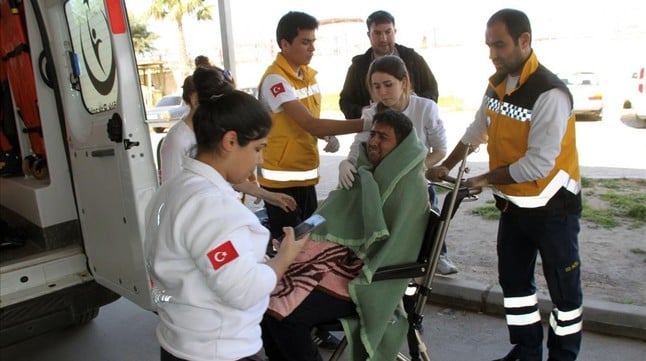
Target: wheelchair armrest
point(405, 270)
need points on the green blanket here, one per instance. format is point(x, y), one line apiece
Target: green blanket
point(382, 218)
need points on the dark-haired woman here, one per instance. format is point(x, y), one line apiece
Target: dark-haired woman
point(205, 250)
point(180, 140)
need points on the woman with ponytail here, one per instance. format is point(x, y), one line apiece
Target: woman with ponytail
point(205, 250)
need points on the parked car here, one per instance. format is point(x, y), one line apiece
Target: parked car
point(586, 94)
point(167, 112)
point(637, 95)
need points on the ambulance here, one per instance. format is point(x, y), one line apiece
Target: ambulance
point(73, 213)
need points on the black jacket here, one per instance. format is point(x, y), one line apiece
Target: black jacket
point(355, 95)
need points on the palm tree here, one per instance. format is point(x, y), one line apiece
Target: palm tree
point(142, 38)
point(176, 10)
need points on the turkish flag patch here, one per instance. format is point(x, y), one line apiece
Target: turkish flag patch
point(277, 89)
point(222, 255)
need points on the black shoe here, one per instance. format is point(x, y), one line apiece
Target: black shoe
point(325, 340)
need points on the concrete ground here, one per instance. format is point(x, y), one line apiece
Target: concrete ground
point(125, 332)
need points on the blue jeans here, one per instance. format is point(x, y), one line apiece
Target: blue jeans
point(434, 201)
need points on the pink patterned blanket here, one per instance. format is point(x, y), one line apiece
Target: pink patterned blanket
point(323, 265)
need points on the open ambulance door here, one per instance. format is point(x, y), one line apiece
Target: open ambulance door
point(110, 154)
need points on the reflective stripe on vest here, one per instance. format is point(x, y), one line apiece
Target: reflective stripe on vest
point(307, 91)
point(557, 317)
point(561, 179)
point(287, 175)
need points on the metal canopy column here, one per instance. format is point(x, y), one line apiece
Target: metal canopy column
point(226, 32)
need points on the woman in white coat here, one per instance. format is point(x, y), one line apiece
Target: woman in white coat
point(180, 143)
point(205, 250)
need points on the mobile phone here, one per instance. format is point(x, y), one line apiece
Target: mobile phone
point(306, 226)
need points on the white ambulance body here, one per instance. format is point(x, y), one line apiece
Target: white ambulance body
point(84, 221)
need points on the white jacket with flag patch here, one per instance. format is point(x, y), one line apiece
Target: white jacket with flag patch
point(205, 251)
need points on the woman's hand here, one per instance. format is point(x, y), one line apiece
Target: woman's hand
point(288, 249)
point(284, 201)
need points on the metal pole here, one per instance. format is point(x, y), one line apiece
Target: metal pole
point(226, 33)
point(425, 287)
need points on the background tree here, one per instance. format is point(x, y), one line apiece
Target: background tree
point(142, 39)
point(176, 10)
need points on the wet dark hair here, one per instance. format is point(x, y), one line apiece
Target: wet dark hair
point(188, 88)
point(392, 65)
point(222, 108)
point(291, 23)
point(400, 123)
point(380, 17)
point(516, 21)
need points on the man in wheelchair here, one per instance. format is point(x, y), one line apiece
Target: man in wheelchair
point(379, 222)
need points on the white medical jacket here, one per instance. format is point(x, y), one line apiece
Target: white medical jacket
point(205, 250)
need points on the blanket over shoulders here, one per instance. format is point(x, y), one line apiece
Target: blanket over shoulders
point(382, 219)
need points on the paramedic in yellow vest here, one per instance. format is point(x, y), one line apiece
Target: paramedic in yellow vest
point(526, 120)
point(291, 93)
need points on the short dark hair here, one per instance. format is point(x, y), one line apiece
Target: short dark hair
point(400, 123)
point(222, 108)
point(202, 60)
point(291, 23)
point(516, 21)
point(380, 17)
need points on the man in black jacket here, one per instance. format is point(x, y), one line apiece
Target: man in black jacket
point(381, 32)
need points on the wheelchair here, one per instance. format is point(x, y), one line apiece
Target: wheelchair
point(423, 268)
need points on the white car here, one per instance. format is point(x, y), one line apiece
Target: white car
point(586, 94)
point(167, 112)
point(637, 98)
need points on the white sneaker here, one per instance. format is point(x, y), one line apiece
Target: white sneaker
point(445, 266)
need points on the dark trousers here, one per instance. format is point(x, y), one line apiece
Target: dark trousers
point(306, 204)
point(521, 237)
point(289, 339)
point(167, 356)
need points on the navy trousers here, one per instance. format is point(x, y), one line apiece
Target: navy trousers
point(521, 236)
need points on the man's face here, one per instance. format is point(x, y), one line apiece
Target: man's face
point(505, 54)
point(301, 50)
point(381, 142)
point(382, 38)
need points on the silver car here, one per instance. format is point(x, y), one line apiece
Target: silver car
point(167, 112)
point(586, 94)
